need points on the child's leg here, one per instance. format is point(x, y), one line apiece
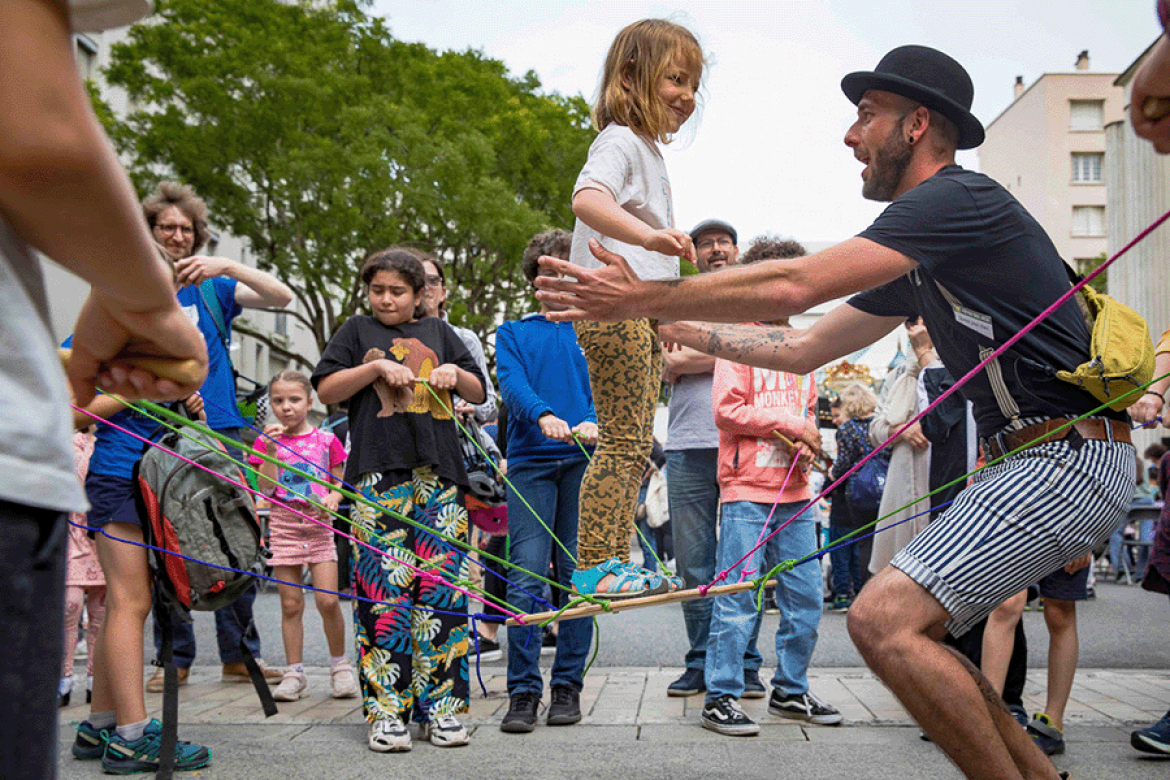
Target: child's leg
point(733, 616)
point(1063, 652)
point(622, 357)
point(382, 630)
point(74, 597)
point(329, 606)
point(999, 639)
point(292, 613)
point(799, 596)
point(118, 666)
point(95, 605)
point(440, 640)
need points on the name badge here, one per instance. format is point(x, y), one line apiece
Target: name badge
point(976, 321)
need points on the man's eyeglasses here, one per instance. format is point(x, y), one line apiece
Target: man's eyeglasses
point(166, 230)
point(710, 243)
point(434, 280)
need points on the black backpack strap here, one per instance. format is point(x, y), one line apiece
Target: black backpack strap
point(258, 682)
point(170, 708)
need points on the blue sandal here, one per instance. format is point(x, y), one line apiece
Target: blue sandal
point(641, 582)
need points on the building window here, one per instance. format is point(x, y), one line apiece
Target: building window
point(1086, 168)
point(1088, 220)
point(87, 55)
point(282, 323)
point(1086, 114)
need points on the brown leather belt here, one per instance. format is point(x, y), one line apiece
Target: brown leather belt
point(1094, 429)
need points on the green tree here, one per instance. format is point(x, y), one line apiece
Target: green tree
point(317, 137)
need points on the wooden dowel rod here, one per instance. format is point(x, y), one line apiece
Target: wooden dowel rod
point(621, 605)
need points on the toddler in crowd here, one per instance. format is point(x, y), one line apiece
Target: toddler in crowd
point(297, 541)
point(85, 585)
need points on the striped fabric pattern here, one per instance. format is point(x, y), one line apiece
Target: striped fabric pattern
point(1020, 520)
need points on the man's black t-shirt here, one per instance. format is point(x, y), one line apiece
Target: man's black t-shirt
point(998, 270)
point(423, 435)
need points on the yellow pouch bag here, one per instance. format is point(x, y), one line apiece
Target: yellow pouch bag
point(1121, 354)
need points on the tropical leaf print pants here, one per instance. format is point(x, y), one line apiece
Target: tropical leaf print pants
point(625, 373)
point(411, 644)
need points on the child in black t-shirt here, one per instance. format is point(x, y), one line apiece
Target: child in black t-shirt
point(404, 454)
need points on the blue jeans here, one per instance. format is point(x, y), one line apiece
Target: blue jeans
point(693, 491)
point(551, 487)
point(798, 594)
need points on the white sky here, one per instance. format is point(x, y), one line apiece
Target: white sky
point(766, 153)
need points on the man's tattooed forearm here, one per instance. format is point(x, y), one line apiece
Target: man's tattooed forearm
point(746, 344)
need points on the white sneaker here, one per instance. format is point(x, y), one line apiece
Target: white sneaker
point(344, 681)
point(446, 731)
point(292, 686)
point(389, 735)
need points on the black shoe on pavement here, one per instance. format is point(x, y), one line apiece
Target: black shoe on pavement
point(548, 642)
point(521, 717)
point(725, 716)
point(690, 683)
point(565, 707)
point(752, 687)
point(489, 650)
point(804, 707)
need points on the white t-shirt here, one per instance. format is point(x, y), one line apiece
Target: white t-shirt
point(36, 448)
point(633, 171)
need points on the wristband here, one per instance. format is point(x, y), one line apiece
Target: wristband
point(1155, 392)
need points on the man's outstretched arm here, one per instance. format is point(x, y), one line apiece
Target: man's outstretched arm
point(760, 291)
point(842, 331)
point(64, 192)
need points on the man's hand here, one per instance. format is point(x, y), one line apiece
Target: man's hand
point(609, 294)
point(914, 437)
point(586, 433)
point(555, 428)
point(680, 361)
point(107, 339)
point(194, 404)
point(198, 268)
point(1149, 100)
point(672, 242)
point(1146, 409)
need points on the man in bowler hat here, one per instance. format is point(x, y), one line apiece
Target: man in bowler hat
point(958, 249)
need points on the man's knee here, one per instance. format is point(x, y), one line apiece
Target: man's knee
point(891, 603)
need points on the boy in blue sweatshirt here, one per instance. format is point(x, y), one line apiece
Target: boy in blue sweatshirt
point(545, 385)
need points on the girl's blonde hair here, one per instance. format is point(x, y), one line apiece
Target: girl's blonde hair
point(857, 400)
point(639, 57)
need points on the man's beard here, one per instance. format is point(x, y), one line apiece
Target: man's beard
point(887, 166)
point(716, 257)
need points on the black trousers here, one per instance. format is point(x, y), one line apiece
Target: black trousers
point(971, 645)
point(32, 627)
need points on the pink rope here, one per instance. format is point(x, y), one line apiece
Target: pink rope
point(422, 574)
point(953, 388)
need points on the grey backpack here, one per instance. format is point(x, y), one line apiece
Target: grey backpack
point(205, 525)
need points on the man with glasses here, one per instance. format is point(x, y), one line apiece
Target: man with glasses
point(692, 450)
point(213, 291)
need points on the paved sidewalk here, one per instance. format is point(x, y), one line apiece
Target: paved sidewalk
point(632, 729)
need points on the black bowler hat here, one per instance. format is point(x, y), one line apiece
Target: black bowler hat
point(926, 76)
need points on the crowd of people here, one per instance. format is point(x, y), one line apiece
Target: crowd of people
point(954, 258)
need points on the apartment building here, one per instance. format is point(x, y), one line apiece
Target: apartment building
point(1048, 148)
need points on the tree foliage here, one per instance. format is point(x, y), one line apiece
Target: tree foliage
point(317, 136)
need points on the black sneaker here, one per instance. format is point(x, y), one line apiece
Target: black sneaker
point(521, 717)
point(90, 743)
point(1047, 737)
point(725, 716)
point(489, 650)
point(548, 642)
point(690, 683)
point(752, 687)
point(565, 707)
point(804, 706)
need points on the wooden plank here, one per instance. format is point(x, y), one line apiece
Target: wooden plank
point(636, 602)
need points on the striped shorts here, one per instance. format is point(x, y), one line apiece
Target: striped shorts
point(1020, 520)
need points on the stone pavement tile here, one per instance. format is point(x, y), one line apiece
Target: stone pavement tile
point(694, 733)
point(661, 709)
point(489, 736)
point(862, 735)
